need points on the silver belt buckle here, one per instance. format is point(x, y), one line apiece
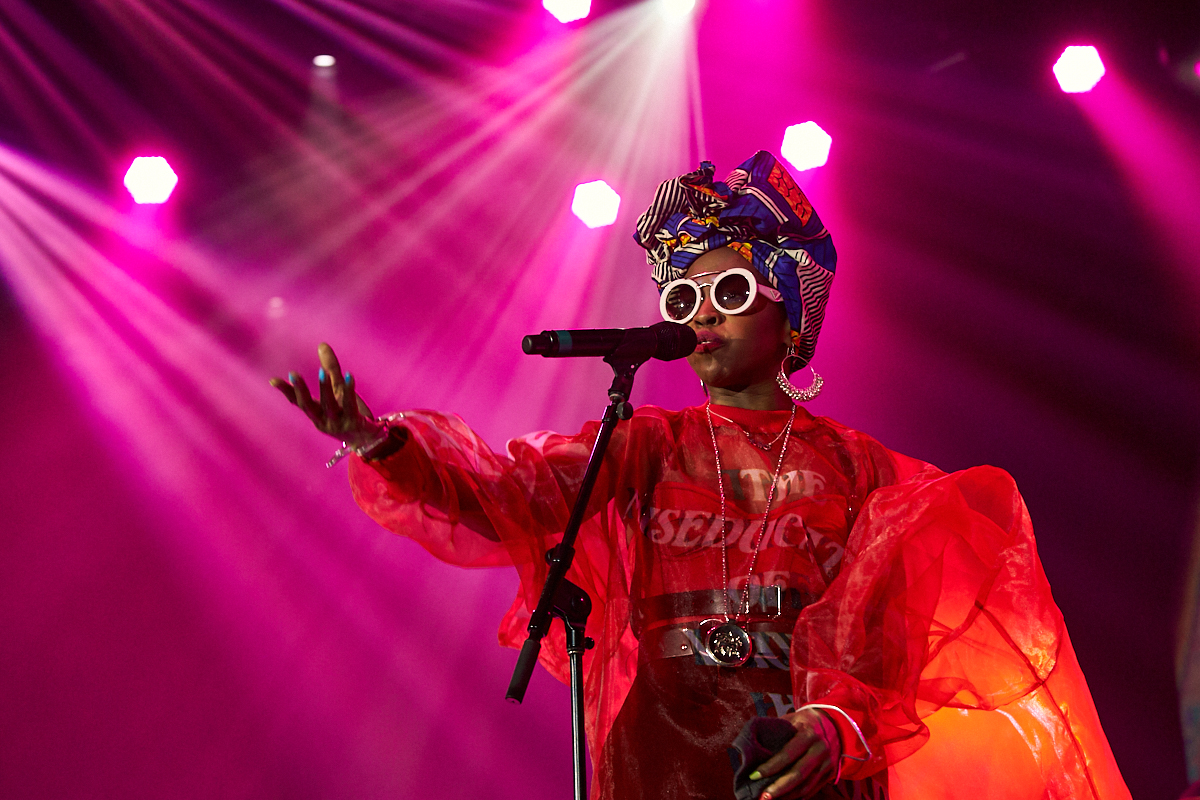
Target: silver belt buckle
point(773, 601)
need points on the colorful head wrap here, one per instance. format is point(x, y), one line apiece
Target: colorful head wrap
point(760, 212)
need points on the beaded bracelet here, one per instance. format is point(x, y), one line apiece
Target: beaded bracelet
point(365, 450)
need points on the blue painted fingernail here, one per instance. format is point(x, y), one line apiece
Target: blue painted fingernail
point(293, 377)
point(349, 378)
point(321, 375)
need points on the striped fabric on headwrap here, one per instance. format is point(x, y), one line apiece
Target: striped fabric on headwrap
point(760, 212)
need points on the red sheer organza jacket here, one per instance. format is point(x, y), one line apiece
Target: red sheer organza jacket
point(935, 629)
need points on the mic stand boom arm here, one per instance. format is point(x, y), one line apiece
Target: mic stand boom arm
point(561, 598)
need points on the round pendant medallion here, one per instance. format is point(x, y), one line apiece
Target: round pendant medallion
point(728, 644)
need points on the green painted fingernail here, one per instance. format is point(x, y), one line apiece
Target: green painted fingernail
point(756, 776)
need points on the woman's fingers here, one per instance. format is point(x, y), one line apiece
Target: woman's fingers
point(329, 404)
point(796, 746)
point(329, 360)
point(296, 392)
point(352, 404)
point(304, 400)
point(805, 763)
point(285, 389)
point(807, 775)
point(329, 363)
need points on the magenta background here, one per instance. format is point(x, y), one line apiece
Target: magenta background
point(191, 605)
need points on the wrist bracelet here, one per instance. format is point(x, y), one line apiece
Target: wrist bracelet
point(862, 739)
point(363, 451)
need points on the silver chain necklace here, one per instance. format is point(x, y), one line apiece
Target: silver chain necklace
point(727, 642)
point(766, 448)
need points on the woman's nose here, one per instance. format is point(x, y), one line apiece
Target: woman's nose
point(707, 314)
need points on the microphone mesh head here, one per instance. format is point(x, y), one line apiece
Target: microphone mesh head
point(674, 341)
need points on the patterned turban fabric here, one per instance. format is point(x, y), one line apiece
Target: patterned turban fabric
point(760, 212)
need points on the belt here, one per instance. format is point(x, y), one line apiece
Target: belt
point(770, 601)
point(772, 643)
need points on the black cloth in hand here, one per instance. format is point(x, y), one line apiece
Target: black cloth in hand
point(760, 738)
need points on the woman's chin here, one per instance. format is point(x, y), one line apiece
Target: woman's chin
point(712, 375)
point(735, 382)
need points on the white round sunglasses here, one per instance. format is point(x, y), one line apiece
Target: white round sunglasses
point(732, 292)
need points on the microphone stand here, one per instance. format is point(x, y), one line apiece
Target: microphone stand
point(561, 598)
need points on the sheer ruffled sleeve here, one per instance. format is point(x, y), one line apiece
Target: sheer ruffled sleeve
point(470, 506)
point(941, 639)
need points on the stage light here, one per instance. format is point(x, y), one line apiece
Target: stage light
point(568, 10)
point(677, 9)
point(324, 61)
point(596, 204)
point(806, 146)
point(150, 179)
point(1078, 69)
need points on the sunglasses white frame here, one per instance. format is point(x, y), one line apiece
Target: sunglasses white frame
point(769, 292)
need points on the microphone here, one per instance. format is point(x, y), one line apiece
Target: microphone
point(665, 341)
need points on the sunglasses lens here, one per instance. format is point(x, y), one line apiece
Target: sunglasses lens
point(731, 292)
point(681, 299)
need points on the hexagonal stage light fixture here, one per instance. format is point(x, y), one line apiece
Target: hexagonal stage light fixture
point(596, 204)
point(568, 10)
point(1078, 69)
point(150, 180)
point(806, 145)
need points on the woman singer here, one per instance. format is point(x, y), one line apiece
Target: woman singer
point(748, 561)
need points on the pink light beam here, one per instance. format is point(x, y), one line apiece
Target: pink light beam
point(677, 9)
point(150, 180)
point(806, 146)
point(568, 10)
point(596, 204)
point(1078, 69)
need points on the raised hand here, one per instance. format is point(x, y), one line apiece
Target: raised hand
point(340, 412)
